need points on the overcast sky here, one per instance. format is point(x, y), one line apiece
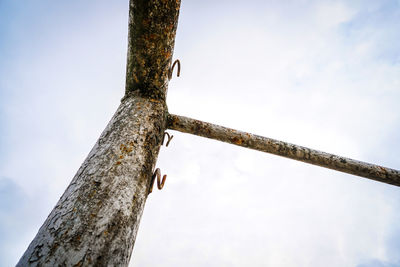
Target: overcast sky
point(322, 74)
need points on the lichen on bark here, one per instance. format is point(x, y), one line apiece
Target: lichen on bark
point(284, 149)
point(96, 220)
point(153, 23)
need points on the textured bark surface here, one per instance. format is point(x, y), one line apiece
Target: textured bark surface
point(359, 168)
point(153, 24)
point(96, 220)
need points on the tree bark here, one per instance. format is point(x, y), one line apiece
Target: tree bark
point(151, 37)
point(283, 149)
point(96, 220)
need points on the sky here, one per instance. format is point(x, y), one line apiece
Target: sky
point(321, 74)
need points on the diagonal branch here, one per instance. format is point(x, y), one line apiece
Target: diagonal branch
point(307, 155)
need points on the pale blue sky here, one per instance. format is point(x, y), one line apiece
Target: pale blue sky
point(323, 74)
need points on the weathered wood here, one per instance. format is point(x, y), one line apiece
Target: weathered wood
point(359, 168)
point(153, 25)
point(96, 220)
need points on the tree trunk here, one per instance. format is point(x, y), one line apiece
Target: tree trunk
point(96, 220)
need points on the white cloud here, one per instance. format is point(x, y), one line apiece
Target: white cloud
point(332, 13)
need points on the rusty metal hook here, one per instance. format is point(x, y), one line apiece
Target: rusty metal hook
point(171, 69)
point(169, 138)
point(160, 184)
